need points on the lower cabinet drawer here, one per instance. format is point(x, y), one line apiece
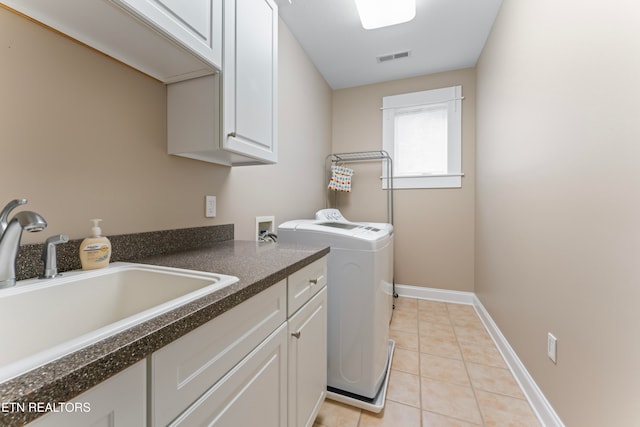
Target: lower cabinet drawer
point(305, 283)
point(254, 393)
point(185, 369)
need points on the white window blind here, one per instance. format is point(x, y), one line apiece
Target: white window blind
point(422, 132)
point(421, 140)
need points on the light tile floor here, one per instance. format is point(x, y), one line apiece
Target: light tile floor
point(446, 372)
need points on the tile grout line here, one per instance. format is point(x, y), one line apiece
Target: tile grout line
point(466, 368)
point(488, 365)
point(450, 323)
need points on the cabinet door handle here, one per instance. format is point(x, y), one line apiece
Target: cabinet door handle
point(316, 280)
point(231, 134)
point(295, 334)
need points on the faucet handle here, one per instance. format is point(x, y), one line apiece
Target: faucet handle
point(4, 215)
point(49, 255)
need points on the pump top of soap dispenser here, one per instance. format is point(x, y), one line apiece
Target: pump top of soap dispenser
point(96, 230)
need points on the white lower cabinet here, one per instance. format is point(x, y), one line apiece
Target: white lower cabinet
point(253, 393)
point(184, 370)
point(262, 363)
point(119, 401)
point(230, 372)
point(308, 361)
point(305, 283)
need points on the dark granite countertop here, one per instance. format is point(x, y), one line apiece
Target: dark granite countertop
point(257, 265)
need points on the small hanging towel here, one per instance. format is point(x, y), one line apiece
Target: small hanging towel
point(340, 179)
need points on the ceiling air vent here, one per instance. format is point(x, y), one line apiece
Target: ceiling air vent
point(392, 56)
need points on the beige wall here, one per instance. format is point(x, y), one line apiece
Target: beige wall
point(84, 136)
point(434, 227)
point(557, 205)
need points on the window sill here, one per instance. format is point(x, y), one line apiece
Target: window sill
point(453, 180)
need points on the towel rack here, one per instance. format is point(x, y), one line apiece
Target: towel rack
point(364, 156)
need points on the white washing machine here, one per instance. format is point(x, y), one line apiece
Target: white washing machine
point(360, 301)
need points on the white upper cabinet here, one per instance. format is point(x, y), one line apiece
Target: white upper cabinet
point(169, 40)
point(249, 78)
point(219, 57)
point(231, 118)
point(195, 24)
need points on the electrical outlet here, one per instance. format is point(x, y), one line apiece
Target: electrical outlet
point(210, 207)
point(552, 347)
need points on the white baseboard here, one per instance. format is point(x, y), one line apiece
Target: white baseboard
point(435, 294)
point(545, 412)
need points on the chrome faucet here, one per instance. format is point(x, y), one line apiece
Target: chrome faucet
point(4, 215)
point(11, 233)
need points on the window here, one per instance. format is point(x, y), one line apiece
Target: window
point(422, 133)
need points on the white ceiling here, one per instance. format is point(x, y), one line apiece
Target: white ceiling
point(444, 35)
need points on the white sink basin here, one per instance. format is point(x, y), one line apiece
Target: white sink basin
point(42, 320)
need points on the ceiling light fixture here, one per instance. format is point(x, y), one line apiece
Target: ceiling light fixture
point(382, 13)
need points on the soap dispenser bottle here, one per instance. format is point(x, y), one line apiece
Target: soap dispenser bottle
point(95, 251)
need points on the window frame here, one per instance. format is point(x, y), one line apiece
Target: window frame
point(452, 96)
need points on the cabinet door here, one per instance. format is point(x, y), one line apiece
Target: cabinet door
point(119, 401)
point(254, 393)
point(185, 369)
point(308, 361)
point(250, 59)
point(195, 24)
point(118, 30)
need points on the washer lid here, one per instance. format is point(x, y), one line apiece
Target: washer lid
point(357, 230)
